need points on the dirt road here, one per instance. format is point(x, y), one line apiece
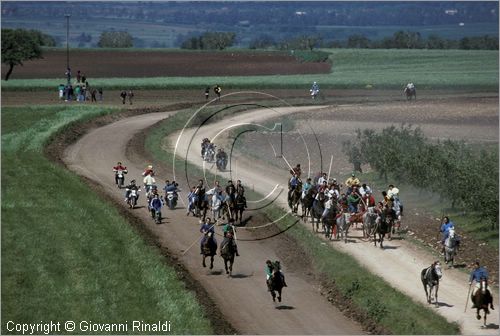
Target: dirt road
point(399, 263)
point(243, 299)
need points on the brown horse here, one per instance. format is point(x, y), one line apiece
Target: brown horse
point(208, 248)
point(481, 299)
point(294, 200)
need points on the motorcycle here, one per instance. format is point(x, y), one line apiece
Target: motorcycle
point(314, 93)
point(209, 154)
point(120, 177)
point(221, 164)
point(156, 215)
point(171, 199)
point(132, 197)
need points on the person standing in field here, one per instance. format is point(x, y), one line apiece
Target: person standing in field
point(130, 95)
point(123, 95)
point(207, 92)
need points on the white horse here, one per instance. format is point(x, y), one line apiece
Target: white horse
point(451, 245)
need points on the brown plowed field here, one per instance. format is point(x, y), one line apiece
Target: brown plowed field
point(97, 64)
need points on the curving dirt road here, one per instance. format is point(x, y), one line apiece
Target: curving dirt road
point(399, 263)
point(243, 299)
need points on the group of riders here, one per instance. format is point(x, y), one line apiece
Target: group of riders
point(334, 199)
point(208, 154)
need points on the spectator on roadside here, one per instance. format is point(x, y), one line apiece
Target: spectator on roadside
point(130, 95)
point(207, 92)
point(123, 95)
point(100, 94)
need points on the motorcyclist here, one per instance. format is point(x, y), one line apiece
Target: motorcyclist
point(149, 181)
point(155, 205)
point(117, 168)
point(148, 171)
point(131, 186)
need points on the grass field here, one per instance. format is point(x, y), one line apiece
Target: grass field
point(351, 68)
point(67, 254)
point(355, 283)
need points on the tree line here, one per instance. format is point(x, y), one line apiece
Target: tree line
point(461, 173)
point(399, 40)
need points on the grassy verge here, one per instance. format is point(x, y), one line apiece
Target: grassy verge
point(68, 255)
point(363, 289)
point(351, 68)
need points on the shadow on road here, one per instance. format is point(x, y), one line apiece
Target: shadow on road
point(283, 307)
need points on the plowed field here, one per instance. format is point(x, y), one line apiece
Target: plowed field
point(98, 64)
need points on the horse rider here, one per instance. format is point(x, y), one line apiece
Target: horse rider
point(123, 96)
point(322, 179)
point(230, 190)
point(444, 229)
point(328, 204)
point(240, 190)
point(292, 184)
point(215, 190)
point(117, 168)
point(392, 191)
point(206, 228)
point(216, 203)
point(476, 275)
point(296, 171)
point(352, 201)
point(270, 268)
point(228, 227)
point(191, 196)
point(217, 91)
point(369, 201)
point(306, 187)
point(207, 92)
point(149, 182)
point(131, 186)
point(228, 239)
point(314, 90)
point(363, 189)
point(351, 182)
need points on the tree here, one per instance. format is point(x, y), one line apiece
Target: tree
point(115, 39)
point(19, 45)
point(210, 40)
point(358, 41)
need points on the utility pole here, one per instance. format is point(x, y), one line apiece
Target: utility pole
point(68, 72)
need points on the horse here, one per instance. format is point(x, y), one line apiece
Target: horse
point(330, 224)
point(208, 248)
point(356, 218)
point(307, 203)
point(240, 203)
point(343, 223)
point(410, 92)
point(451, 245)
point(276, 284)
point(317, 210)
point(381, 228)
point(369, 221)
point(481, 299)
point(430, 280)
point(227, 251)
point(294, 200)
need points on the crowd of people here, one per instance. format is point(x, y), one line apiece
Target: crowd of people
point(80, 90)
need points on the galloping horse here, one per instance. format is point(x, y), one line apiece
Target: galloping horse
point(277, 283)
point(330, 224)
point(451, 245)
point(381, 228)
point(294, 201)
point(240, 203)
point(410, 92)
point(307, 203)
point(317, 210)
point(430, 279)
point(228, 250)
point(343, 223)
point(209, 248)
point(481, 299)
point(369, 223)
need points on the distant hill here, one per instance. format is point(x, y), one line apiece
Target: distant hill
point(166, 24)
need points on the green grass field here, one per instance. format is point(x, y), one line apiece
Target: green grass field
point(351, 68)
point(355, 283)
point(69, 255)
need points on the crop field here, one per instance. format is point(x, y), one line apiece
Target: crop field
point(347, 68)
